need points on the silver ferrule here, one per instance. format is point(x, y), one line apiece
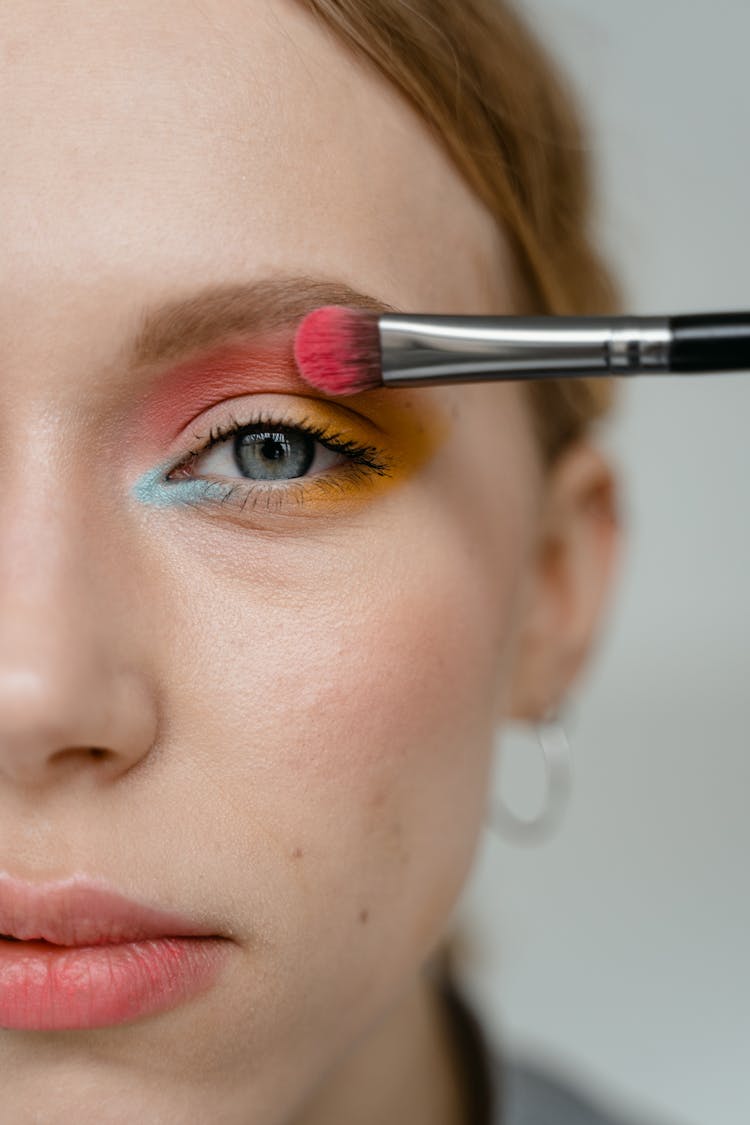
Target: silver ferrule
point(418, 349)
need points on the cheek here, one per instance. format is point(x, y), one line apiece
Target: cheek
point(353, 708)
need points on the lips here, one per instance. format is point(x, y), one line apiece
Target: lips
point(78, 954)
point(80, 912)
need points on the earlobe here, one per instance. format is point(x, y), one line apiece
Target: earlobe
point(573, 569)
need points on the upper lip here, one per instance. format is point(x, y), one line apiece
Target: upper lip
point(82, 911)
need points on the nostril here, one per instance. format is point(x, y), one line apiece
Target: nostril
point(78, 754)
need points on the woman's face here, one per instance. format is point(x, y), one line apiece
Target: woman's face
point(291, 683)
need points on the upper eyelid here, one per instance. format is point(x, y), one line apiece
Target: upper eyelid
point(236, 424)
point(222, 434)
point(351, 417)
point(294, 411)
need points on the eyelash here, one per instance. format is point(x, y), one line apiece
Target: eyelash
point(364, 461)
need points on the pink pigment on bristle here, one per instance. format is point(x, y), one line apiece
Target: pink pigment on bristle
point(326, 351)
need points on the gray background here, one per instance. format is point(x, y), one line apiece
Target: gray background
point(619, 951)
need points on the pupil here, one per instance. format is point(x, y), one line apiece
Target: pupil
point(273, 450)
point(262, 453)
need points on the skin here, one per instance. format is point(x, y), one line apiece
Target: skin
point(297, 704)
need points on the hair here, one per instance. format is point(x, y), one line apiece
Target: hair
point(494, 99)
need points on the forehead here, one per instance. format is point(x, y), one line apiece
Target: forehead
point(221, 140)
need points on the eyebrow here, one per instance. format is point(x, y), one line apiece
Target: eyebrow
point(171, 330)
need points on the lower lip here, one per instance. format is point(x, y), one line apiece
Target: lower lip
point(51, 987)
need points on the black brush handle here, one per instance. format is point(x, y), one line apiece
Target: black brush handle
point(711, 342)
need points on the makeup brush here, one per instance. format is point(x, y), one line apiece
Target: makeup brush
point(343, 351)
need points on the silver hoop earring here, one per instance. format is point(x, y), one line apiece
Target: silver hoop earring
point(553, 739)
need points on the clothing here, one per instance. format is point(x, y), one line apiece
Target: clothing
point(511, 1093)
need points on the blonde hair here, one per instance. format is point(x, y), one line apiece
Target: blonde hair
point(496, 102)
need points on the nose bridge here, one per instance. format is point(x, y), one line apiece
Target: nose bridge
point(68, 683)
point(41, 579)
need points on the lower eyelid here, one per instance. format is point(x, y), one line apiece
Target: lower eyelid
point(351, 480)
point(248, 496)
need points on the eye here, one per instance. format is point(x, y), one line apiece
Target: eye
point(265, 452)
point(270, 461)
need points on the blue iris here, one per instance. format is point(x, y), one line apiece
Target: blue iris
point(263, 453)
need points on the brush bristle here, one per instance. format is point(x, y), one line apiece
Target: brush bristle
point(338, 350)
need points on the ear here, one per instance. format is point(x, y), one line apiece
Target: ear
point(570, 578)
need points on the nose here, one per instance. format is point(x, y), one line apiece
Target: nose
point(74, 702)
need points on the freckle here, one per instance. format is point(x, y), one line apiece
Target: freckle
point(363, 916)
point(297, 853)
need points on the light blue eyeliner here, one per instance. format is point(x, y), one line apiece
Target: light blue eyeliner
point(153, 489)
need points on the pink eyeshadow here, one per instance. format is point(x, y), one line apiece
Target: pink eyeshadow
point(184, 392)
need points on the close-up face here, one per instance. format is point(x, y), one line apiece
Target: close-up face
point(255, 642)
